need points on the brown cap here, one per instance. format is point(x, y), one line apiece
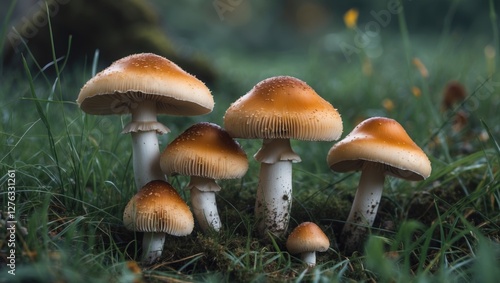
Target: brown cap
point(204, 150)
point(145, 76)
point(157, 207)
point(307, 237)
point(283, 108)
point(381, 140)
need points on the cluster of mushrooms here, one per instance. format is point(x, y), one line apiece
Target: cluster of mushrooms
point(275, 110)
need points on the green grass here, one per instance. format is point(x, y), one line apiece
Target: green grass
point(74, 174)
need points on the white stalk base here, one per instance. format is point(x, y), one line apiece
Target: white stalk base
point(364, 207)
point(152, 246)
point(309, 258)
point(274, 198)
point(205, 210)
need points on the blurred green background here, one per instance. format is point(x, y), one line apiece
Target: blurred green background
point(369, 69)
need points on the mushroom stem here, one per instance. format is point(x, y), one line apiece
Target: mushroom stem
point(309, 258)
point(146, 152)
point(146, 158)
point(274, 198)
point(365, 205)
point(152, 246)
point(204, 203)
point(274, 192)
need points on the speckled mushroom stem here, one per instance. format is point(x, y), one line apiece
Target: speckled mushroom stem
point(364, 207)
point(146, 152)
point(152, 246)
point(274, 192)
point(204, 204)
point(274, 198)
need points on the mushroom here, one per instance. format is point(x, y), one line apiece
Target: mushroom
point(145, 85)
point(276, 110)
point(378, 147)
point(204, 152)
point(157, 209)
point(307, 239)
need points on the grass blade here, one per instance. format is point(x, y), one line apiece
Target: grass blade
point(44, 120)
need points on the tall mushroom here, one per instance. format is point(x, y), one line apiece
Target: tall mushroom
point(157, 209)
point(205, 152)
point(276, 110)
point(378, 147)
point(145, 85)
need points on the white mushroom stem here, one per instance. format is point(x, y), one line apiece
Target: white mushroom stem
point(152, 246)
point(146, 152)
point(309, 258)
point(204, 203)
point(274, 197)
point(274, 192)
point(365, 205)
point(146, 158)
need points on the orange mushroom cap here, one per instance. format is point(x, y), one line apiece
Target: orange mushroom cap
point(283, 107)
point(145, 76)
point(307, 237)
point(204, 150)
point(157, 207)
point(380, 140)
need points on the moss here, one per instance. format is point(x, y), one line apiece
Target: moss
point(426, 206)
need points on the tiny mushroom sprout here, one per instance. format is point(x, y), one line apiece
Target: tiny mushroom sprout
point(145, 85)
point(157, 209)
point(276, 110)
point(307, 239)
point(378, 147)
point(205, 152)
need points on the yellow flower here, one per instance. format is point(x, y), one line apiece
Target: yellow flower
point(133, 266)
point(420, 67)
point(416, 91)
point(367, 67)
point(483, 136)
point(351, 17)
point(489, 53)
point(388, 104)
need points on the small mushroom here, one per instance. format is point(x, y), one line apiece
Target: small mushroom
point(276, 110)
point(145, 85)
point(307, 239)
point(378, 147)
point(205, 152)
point(157, 209)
